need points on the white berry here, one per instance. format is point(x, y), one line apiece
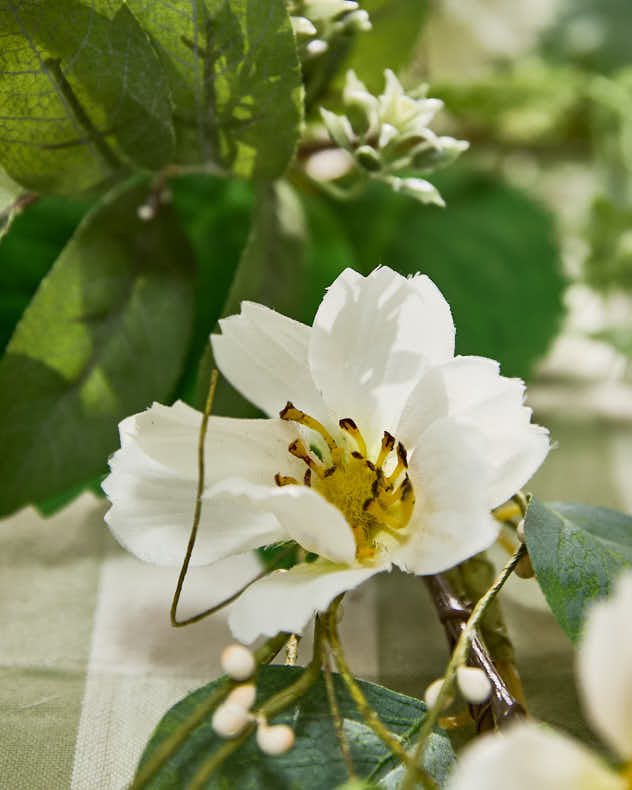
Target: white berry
point(243, 695)
point(432, 694)
point(473, 684)
point(229, 719)
point(238, 662)
point(277, 739)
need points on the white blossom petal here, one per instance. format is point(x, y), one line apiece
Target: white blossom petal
point(264, 355)
point(153, 483)
point(530, 757)
point(371, 340)
point(451, 520)
point(472, 390)
point(303, 515)
point(287, 600)
point(605, 667)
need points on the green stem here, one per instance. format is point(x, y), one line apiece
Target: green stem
point(271, 707)
point(335, 713)
point(458, 658)
point(169, 746)
point(370, 716)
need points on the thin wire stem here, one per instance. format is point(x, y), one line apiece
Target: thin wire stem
point(369, 715)
point(335, 712)
point(170, 745)
point(271, 707)
point(458, 658)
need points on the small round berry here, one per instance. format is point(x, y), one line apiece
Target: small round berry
point(473, 684)
point(243, 695)
point(238, 662)
point(146, 212)
point(432, 694)
point(275, 739)
point(229, 719)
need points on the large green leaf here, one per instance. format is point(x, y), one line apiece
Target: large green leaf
point(105, 334)
point(492, 252)
point(315, 761)
point(81, 88)
point(27, 252)
point(577, 552)
point(234, 78)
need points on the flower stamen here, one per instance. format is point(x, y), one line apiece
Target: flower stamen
point(348, 425)
point(388, 442)
point(402, 465)
point(292, 414)
point(298, 450)
point(283, 480)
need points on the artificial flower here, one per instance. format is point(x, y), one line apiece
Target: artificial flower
point(532, 757)
point(380, 447)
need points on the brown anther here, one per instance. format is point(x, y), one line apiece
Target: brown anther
point(287, 411)
point(298, 450)
point(374, 487)
point(371, 465)
point(329, 471)
point(307, 479)
point(402, 455)
point(291, 413)
point(348, 425)
point(367, 503)
point(388, 442)
point(356, 454)
point(282, 480)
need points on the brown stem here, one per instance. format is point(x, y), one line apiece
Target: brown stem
point(453, 613)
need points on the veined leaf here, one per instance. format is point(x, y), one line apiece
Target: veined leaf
point(234, 78)
point(315, 761)
point(82, 90)
point(576, 552)
point(105, 334)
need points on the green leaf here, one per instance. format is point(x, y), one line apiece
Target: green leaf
point(80, 93)
point(577, 552)
point(105, 334)
point(27, 252)
point(315, 761)
point(234, 78)
point(492, 252)
point(396, 29)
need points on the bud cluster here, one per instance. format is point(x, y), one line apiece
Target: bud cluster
point(316, 22)
point(234, 714)
point(389, 133)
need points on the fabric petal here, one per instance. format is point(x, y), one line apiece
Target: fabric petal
point(303, 515)
point(287, 600)
point(451, 520)
point(605, 667)
point(371, 340)
point(264, 355)
point(153, 482)
point(472, 390)
point(528, 757)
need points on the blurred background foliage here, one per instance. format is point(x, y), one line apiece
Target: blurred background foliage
point(117, 257)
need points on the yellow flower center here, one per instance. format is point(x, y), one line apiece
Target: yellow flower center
point(373, 503)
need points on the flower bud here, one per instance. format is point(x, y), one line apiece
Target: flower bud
point(358, 21)
point(473, 684)
point(368, 158)
point(339, 128)
point(317, 47)
point(243, 695)
point(238, 662)
point(302, 26)
point(275, 739)
point(230, 719)
point(431, 694)
point(417, 188)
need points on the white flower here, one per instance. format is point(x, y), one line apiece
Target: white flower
point(393, 452)
point(531, 757)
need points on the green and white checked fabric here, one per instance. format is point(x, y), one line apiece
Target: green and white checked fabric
point(89, 662)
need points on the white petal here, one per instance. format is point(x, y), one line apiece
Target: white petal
point(472, 390)
point(153, 482)
point(530, 757)
point(451, 520)
point(304, 515)
point(287, 600)
point(264, 355)
point(372, 338)
point(605, 667)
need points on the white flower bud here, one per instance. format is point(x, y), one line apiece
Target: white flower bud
point(368, 158)
point(275, 739)
point(146, 212)
point(359, 21)
point(243, 695)
point(302, 26)
point(339, 128)
point(417, 188)
point(473, 684)
point(238, 662)
point(432, 694)
point(386, 135)
point(230, 719)
point(317, 47)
